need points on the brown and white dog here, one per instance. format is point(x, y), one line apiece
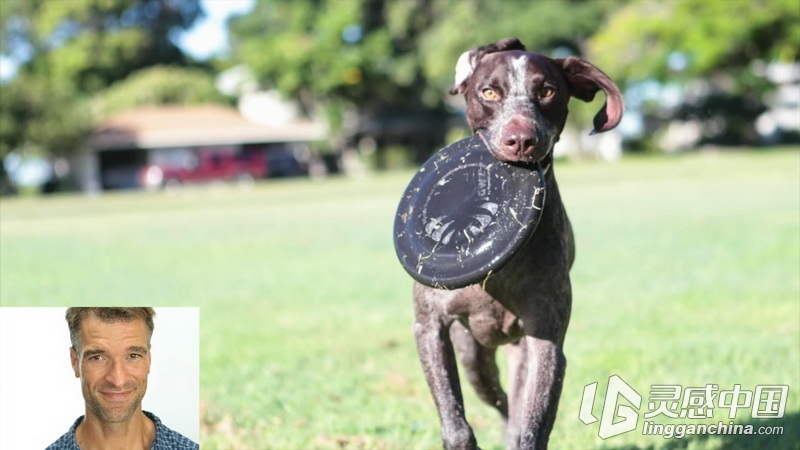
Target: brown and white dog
point(518, 101)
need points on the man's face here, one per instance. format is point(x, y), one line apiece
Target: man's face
point(113, 362)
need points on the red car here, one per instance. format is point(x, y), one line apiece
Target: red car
point(199, 166)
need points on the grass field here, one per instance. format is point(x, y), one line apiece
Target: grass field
point(688, 273)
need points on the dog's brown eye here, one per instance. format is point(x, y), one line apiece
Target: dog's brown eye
point(547, 92)
point(489, 94)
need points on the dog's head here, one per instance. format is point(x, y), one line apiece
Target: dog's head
point(518, 100)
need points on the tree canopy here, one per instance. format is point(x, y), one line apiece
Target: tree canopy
point(36, 114)
point(377, 53)
point(159, 85)
point(71, 50)
point(94, 43)
point(720, 43)
point(695, 37)
point(83, 58)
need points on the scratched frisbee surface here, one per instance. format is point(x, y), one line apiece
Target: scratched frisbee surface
point(465, 214)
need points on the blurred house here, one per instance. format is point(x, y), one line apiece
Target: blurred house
point(123, 147)
point(708, 111)
point(781, 122)
point(365, 131)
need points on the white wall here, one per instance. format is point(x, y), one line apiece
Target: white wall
point(40, 397)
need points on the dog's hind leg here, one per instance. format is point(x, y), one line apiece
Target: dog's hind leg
point(480, 366)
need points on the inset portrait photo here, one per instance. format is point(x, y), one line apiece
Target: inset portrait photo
point(99, 377)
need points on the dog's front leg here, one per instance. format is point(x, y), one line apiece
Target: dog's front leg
point(545, 377)
point(431, 330)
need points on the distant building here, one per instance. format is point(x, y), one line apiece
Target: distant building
point(122, 146)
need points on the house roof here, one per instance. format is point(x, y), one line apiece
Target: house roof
point(204, 125)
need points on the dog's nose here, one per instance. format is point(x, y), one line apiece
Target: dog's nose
point(519, 142)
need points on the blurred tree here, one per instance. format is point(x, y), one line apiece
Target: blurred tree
point(647, 39)
point(159, 85)
point(41, 118)
point(393, 58)
point(70, 50)
point(717, 41)
point(39, 114)
point(94, 43)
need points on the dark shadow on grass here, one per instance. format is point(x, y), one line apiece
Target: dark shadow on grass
point(789, 439)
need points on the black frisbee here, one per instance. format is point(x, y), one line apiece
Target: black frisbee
point(465, 214)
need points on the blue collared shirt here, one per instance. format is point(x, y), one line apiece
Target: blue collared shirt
point(166, 439)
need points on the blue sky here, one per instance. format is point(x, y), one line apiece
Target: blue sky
point(206, 38)
point(209, 35)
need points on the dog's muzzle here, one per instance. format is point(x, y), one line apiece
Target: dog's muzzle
point(519, 141)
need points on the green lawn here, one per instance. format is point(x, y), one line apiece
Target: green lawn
point(688, 273)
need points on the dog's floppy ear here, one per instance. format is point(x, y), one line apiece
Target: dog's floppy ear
point(470, 59)
point(584, 81)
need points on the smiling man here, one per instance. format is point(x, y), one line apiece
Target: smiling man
point(110, 353)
